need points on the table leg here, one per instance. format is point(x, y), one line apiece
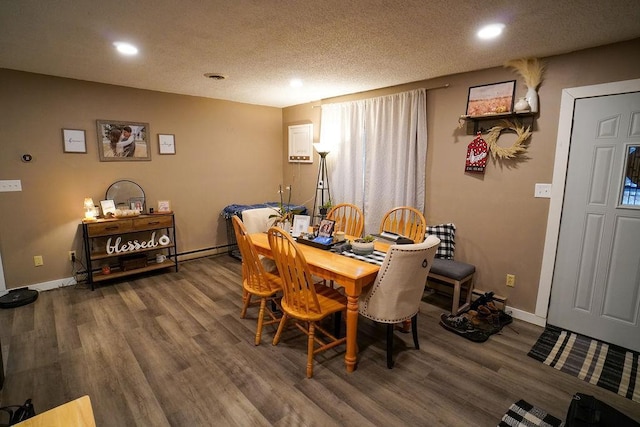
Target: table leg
point(351, 355)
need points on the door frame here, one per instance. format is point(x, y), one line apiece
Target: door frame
point(563, 142)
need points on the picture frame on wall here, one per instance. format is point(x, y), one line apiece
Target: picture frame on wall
point(123, 141)
point(166, 144)
point(74, 141)
point(494, 98)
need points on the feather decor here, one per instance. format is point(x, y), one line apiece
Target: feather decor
point(531, 70)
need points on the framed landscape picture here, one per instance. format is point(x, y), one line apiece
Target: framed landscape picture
point(123, 141)
point(495, 98)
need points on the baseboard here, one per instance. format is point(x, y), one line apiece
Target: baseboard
point(46, 286)
point(526, 316)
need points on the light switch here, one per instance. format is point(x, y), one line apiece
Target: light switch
point(10, 185)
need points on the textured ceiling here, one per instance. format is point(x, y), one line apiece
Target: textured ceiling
point(336, 47)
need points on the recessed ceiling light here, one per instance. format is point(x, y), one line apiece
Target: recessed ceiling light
point(126, 48)
point(490, 31)
point(295, 83)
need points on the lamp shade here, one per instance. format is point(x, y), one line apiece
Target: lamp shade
point(89, 211)
point(322, 147)
point(88, 203)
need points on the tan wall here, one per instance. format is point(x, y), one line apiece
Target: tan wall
point(501, 226)
point(226, 153)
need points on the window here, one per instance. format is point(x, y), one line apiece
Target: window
point(631, 177)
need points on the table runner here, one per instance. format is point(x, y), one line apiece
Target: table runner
point(377, 257)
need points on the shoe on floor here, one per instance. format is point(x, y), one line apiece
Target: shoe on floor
point(462, 326)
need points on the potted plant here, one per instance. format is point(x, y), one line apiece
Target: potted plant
point(283, 216)
point(363, 246)
point(325, 208)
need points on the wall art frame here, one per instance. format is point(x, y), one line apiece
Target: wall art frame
point(123, 141)
point(164, 206)
point(74, 141)
point(494, 98)
point(166, 143)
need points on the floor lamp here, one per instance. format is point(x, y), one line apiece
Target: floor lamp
point(322, 182)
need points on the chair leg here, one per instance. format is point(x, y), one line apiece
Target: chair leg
point(414, 330)
point(246, 297)
point(283, 320)
point(263, 306)
point(390, 327)
point(310, 345)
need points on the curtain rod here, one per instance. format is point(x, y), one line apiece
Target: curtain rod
point(444, 86)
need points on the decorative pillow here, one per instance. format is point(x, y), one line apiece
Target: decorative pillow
point(446, 233)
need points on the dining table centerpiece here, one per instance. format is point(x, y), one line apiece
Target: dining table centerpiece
point(363, 246)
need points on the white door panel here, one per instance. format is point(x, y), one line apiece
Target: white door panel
point(596, 280)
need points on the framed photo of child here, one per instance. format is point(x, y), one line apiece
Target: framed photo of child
point(326, 228)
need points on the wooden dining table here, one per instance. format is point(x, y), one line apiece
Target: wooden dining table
point(351, 274)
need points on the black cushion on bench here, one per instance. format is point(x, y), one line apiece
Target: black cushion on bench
point(455, 270)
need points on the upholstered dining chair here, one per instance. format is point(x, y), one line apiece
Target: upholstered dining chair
point(302, 300)
point(257, 221)
point(256, 281)
point(406, 221)
point(348, 217)
point(397, 291)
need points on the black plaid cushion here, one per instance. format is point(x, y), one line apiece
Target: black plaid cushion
point(446, 233)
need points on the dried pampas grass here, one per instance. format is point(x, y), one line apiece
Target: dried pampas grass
point(530, 69)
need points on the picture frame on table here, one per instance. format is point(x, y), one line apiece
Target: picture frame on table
point(120, 141)
point(494, 98)
point(300, 224)
point(325, 229)
point(137, 203)
point(74, 141)
point(166, 144)
point(108, 207)
point(164, 206)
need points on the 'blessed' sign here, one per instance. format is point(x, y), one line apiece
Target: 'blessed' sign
point(134, 245)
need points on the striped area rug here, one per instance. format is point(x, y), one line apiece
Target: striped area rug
point(523, 414)
point(605, 365)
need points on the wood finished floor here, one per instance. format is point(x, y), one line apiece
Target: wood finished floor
point(170, 349)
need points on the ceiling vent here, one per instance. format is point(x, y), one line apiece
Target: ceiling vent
point(215, 76)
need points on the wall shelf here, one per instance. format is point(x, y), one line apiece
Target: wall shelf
point(475, 124)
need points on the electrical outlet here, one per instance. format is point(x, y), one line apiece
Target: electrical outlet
point(511, 280)
point(543, 191)
point(38, 261)
point(72, 256)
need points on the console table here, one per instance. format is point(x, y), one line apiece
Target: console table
point(119, 247)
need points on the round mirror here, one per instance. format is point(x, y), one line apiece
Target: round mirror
point(127, 195)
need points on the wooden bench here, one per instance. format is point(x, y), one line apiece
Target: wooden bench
point(456, 274)
point(446, 270)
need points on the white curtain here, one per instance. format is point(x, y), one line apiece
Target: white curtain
point(342, 129)
point(378, 155)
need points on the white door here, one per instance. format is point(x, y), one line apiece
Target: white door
point(596, 280)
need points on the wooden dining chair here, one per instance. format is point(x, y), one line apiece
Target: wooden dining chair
point(256, 281)
point(397, 291)
point(349, 218)
point(406, 221)
point(305, 302)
